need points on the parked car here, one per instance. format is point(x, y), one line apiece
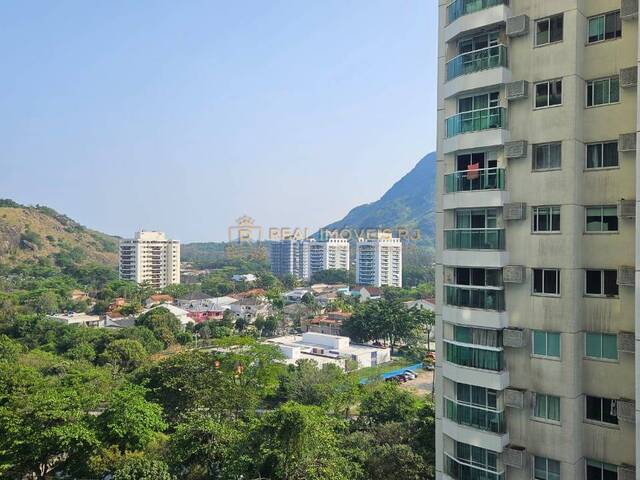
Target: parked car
point(410, 374)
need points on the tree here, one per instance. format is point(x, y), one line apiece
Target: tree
point(123, 354)
point(204, 447)
point(268, 326)
point(334, 276)
point(164, 324)
point(386, 402)
point(9, 349)
point(43, 427)
point(299, 442)
point(130, 421)
point(141, 468)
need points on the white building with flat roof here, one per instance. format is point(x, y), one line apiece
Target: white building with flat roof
point(379, 261)
point(323, 348)
point(150, 258)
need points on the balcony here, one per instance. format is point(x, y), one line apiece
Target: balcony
point(460, 470)
point(485, 127)
point(476, 417)
point(475, 188)
point(474, 356)
point(474, 239)
point(474, 297)
point(486, 67)
point(465, 15)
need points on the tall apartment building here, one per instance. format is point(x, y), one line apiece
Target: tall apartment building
point(150, 258)
point(303, 258)
point(379, 261)
point(537, 240)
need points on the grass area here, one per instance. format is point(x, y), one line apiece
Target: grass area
point(394, 364)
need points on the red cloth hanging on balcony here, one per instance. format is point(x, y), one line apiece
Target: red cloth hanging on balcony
point(473, 171)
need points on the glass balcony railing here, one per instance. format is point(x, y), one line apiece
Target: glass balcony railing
point(471, 180)
point(476, 417)
point(476, 120)
point(469, 297)
point(460, 470)
point(474, 239)
point(458, 8)
point(482, 59)
point(483, 358)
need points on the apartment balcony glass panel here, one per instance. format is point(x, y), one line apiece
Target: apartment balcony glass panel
point(474, 239)
point(476, 120)
point(476, 417)
point(474, 357)
point(469, 297)
point(460, 470)
point(458, 8)
point(477, 60)
point(473, 180)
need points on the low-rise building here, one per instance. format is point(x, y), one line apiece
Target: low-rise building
point(249, 308)
point(333, 349)
point(422, 304)
point(329, 324)
point(180, 313)
point(158, 299)
point(80, 319)
point(247, 277)
point(364, 294)
point(295, 295)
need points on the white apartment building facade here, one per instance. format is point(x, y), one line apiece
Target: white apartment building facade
point(537, 242)
point(303, 258)
point(379, 261)
point(150, 258)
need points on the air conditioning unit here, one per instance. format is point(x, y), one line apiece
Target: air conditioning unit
point(627, 142)
point(514, 398)
point(628, 9)
point(514, 456)
point(626, 276)
point(626, 342)
point(629, 77)
point(513, 274)
point(517, 26)
point(515, 211)
point(517, 90)
point(627, 208)
point(626, 410)
point(514, 337)
point(517, 149)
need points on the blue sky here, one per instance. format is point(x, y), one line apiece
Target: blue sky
point(183, 115)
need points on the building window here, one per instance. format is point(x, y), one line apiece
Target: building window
point(548, 94)
point(546, 344)
point(477, 396)
point(602, 283)
point(603, 218)
point(547, 407)
point(601, 345)
point(546, 469)
point(602, 410)
point(602, 155)
point(549, 30)
point(601, 471)
point(546, 281)
point(546, 219)
point(477, 456)
point(603, 91)
point(604, 27)
point(547, 156)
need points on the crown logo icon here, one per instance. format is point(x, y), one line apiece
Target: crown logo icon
point(245, 220)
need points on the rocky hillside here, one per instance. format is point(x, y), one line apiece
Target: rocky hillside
point(409, 203)
point(31, 232)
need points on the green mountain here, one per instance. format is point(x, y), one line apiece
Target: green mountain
point(34, 232)
point(409, 203)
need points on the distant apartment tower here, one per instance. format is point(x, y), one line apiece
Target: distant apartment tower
point(537, 340)
point(303, 258)
point(332, 254)
point(290, 257)
point(150, 258)
point(379, 261)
